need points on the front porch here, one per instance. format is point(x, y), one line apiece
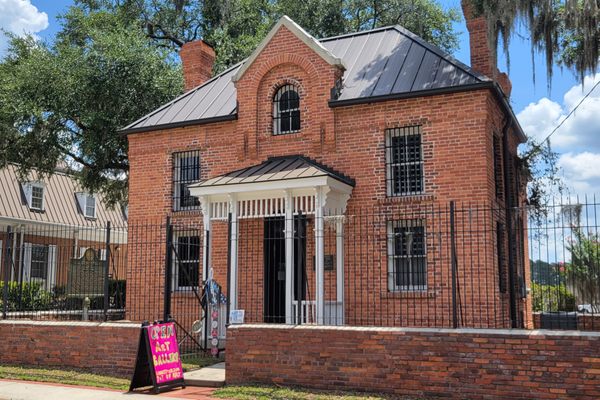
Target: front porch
point(282, 214)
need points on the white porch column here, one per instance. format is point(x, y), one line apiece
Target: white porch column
point(233, 209)
point(319, 259)
point(339, 251)
point(206, 213)
point(289, 258)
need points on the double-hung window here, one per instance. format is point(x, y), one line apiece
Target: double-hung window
point(87, 204)
point(286, 110)
point(34, 193)
point(404, 161)
point(186, 170)
point(39, 262)
point(407, 256)
point(186, 257)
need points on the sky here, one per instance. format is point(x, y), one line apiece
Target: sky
point(538, 109)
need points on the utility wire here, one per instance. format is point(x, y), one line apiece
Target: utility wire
point(536, 147)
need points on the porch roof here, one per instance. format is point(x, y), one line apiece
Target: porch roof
point(296, 171)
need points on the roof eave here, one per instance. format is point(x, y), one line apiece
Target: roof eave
point(181, 124)
point(486, 85)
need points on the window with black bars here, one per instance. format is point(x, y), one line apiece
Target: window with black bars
point(186, 170)
point(404, 161)
point(286, 110)
point(39, 261)
point(497, 148)
point(186, 257)
point(407, 256)
point(500, 243)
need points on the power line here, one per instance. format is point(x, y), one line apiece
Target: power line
point(569, 114)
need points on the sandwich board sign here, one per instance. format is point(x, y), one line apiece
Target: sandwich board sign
point(158, 362)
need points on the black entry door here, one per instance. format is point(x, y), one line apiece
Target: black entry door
point(274, 269)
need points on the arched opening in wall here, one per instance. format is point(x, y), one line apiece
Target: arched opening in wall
point(286, 110)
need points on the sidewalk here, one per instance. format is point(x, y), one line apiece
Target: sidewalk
point(22, 390)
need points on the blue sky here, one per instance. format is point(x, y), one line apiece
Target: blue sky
point(538, 110)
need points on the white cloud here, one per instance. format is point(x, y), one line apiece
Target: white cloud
point(20, 17)
point(581, 132)
point(577, 140)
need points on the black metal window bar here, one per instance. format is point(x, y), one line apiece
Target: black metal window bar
point(497, 149)
point(407, 257)
point(404, 161)
point(286, 110)
point(186, 265)
point(186, 170)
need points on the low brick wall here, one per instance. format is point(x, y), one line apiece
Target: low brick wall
point(108, 348)
point(463, 363)
point(585, 322)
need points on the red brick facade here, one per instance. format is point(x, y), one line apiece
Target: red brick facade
point(107, 348)
point(457, 136)
point(457, 364)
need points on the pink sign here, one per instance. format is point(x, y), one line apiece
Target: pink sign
point(165, 352)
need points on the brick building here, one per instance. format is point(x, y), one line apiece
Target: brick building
point(316, 177)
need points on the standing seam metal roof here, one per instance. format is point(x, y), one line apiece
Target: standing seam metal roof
point(380, 62)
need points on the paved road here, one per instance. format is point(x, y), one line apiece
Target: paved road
point(21, 390)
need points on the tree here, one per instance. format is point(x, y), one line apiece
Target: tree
point(567, 31)
point(583, 272)
point(114, 61)
point(67, 101)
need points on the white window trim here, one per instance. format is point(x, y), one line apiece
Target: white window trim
point(398, 132)
point(277, 112)
point(28, 189)
point(178, 183)
point(50, 280)
point(392, 287)
point(175, 273)
point(83, 198)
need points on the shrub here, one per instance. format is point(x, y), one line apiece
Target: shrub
point(552, 298)
point(25, 296)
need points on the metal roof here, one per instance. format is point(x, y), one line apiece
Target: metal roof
point(381, 62)
point(276, 169)
point(60, 201)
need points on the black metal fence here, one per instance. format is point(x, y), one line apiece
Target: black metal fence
point(448, 265)
point(63, 272)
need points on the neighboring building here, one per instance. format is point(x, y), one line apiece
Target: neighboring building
point(304, 136)
point(52, 221)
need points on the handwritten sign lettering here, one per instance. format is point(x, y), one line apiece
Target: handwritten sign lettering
point(158, 362)
point(165, 352)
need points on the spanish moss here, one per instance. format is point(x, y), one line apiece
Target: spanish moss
point(566, 31)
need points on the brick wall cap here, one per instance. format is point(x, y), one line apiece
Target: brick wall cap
point(459, 331)
point(71, 323)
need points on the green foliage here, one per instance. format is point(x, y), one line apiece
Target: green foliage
point(551, 298)
point(583, 272)
point(26, 296)
point(67, 101)
point(568, 32)
point(114, 61)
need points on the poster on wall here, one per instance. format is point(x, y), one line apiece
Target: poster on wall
point(158, 362)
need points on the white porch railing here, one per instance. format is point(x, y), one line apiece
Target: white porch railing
point(334, 312)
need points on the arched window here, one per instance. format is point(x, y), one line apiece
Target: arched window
point(286, 110)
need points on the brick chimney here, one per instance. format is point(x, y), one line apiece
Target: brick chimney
point(482, 59)
point(197, 59)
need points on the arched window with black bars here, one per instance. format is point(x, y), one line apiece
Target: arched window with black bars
point(286, 110)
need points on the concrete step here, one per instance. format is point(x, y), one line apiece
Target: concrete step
point(211, 376)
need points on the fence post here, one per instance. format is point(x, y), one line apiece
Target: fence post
point(106, 271)
point(168, 271)
point(228, 269)
point(453, 260)
point(7, 259)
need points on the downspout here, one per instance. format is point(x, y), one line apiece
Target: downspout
point(508, 212)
